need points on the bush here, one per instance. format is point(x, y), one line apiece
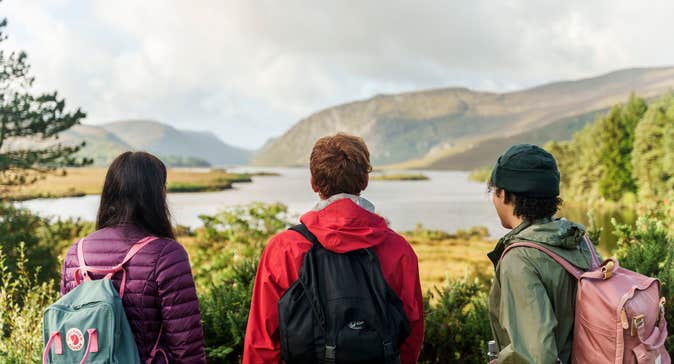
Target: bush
point(457, 323)
point(649, 250)
point(225, 263)
point(22, 300)
point(44, 240)
point(224, 311)
point(234, 234)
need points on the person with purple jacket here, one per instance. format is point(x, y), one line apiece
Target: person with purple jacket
point(160, 296)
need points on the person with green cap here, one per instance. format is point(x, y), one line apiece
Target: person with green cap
point(532, 300)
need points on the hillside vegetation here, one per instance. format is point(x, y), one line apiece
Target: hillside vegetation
point(177, 148)
point(457, 128)
point(89, 181)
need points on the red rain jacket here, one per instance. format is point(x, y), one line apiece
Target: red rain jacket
point(341, 227)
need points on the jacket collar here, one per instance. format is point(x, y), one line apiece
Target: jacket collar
point(360, 201)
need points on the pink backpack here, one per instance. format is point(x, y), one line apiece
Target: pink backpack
point(620, 317)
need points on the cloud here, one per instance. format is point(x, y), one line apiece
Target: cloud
point(248, 70)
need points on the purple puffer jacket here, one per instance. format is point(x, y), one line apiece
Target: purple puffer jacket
point(159, 290)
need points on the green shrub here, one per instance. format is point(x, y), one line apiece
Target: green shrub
point(648, 249)
point(22, 299)
point(44, 239)
point(224, 265)
point(234, 234)
point(457, 323)
point(224, 311)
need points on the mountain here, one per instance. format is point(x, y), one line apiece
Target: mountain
point(165, 140)
point(457, 128)
point(177, 148)
point(101, 145)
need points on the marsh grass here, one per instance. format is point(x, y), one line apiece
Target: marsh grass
point(89, 181)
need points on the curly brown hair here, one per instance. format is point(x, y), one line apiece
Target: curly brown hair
point(340, 164)
point(528, 208)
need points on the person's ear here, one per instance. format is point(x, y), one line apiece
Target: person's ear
point(313, 185)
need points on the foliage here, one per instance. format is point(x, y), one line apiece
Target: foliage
point(421, 233)
point(399, 177)
point(25, 115)
point(22, 299)
point(480, 175)
point(616, 135)
point(233, 234)
point(648, 249)
point(224, 262)
point(224, 311)
point(654, 152)
point(183, 161)
point(44, 239)
point(457, 325)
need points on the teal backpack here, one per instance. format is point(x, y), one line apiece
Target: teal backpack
point(90, 319)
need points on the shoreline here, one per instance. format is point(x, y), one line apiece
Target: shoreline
point(80, 182)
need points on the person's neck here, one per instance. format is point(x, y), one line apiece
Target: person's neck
point(515, 221)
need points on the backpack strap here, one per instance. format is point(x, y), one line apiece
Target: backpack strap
point(573, 270)
point(84, 270)
point(304, 231)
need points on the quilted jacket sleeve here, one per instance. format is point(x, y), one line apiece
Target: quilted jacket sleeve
point(181, 319)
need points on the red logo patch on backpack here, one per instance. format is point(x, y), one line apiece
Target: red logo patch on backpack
point(75, 339)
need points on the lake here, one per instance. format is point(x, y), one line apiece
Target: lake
point(448, 201)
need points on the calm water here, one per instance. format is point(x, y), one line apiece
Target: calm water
point(448, 201)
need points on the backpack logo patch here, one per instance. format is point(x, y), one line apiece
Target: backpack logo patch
point(357, 325)
point(75, 339)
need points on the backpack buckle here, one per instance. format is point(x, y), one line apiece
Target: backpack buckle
point(607, 270)
point(330, 353)
point(638, 322)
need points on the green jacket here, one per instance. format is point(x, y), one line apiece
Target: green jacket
point(532, 300)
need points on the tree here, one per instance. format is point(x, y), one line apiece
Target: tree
point(26, 116)
point(652, 155)
point(616, 139)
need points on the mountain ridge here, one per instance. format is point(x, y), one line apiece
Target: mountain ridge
point(106, 141)
point(406, 127)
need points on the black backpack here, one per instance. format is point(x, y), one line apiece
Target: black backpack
point(340, 310)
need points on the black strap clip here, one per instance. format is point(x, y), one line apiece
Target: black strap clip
point(330, 354)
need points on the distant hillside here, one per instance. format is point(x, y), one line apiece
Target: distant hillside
point(101, 145)
point(177, 148)
point(457, 128)
point(165, 140)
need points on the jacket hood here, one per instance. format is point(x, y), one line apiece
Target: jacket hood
point(561, 236)
point(560, 233)
point(343, 226)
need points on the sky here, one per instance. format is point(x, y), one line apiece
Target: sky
point(248, 70)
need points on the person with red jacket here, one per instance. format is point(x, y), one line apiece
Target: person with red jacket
point(343, 222)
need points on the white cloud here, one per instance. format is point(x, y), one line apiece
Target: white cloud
point(247, 70)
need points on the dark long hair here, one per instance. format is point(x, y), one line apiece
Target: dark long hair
point(135, 193)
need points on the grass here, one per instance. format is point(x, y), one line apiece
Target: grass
point(89, 181)
point(481, 175)
point(442, 255)
point(399, 177)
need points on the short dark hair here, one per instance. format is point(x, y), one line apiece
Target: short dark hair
point(529, 208)
point(135, 193)
point(340, 164)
